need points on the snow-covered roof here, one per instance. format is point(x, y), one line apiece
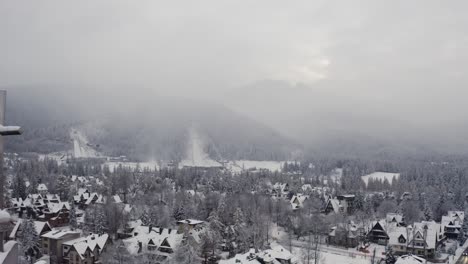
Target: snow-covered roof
point(39, 226)
point(297, 201)
point(90, 242)
point(7, 250)
point(190, 222)
point(58, 234)
point(424, 231)
point(335, 203)
point(246, 258)
point(277, 254)
point(410, 259)
point(116, 199)
point(153, 236)
point(394, 218)
point(57, 207)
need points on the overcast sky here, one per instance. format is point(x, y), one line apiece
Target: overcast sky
point(413, 52)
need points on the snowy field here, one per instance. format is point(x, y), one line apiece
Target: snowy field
point(380, 176)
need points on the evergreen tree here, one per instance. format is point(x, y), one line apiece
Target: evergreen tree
point(359, 201)
point(90, 219)
point(62, 186)
point(179, 212)
point(73, 220)
point(30, 240)
point(154, 216)
point(427, 210)
point(19, 187)
point(101, 222)
point(186, 253)
point(464, 228)
point(214, 222)
point(145, 218)
point(390, 256)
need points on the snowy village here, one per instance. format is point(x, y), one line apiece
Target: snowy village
point(233, 132)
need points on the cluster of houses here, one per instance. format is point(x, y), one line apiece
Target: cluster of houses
point(276, 254)
point(282, 191)
point(420, 239)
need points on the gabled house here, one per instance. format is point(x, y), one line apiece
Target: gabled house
point(161, 242)
point(52, 242)
point(452, 223)
point(85, 249)
point(41, 228)
point(297, 201)
point(280, 190)
point(86, 198)
point(394, 218)
point(42, 189)
point(343, 204)
point(421, 239)
point(57, 214)
point(345, 234)
point(378, 230)
point(378, 233)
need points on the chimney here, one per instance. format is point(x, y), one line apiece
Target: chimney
point(150, 228)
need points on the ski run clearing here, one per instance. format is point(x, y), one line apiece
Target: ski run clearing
point(380, 176)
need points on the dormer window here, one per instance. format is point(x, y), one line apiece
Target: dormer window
point(402, 239)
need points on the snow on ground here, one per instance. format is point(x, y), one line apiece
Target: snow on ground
point(381, 176)
point(238, 166)
point(330, 258)
point(81, 146)
point(132, 165)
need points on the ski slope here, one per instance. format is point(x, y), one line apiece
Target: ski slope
point(81, 146)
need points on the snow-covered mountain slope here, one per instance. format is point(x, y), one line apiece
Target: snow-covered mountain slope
point(155, 130)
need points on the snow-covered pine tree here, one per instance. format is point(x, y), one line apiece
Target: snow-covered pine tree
point(186, 253)
point(30, 240)
point(19, 187)
point(101, 222)
point(73, 220)
point(90, 219)
point(145, 218)
point(464, 228)
point(62, 186)
point(154, 216)
point(427, 210)
point(179, 212)
point(215, 223)
point(222, 210)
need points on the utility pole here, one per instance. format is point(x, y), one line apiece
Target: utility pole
point(4, 131)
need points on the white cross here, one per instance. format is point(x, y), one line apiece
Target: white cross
point(4, 131)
